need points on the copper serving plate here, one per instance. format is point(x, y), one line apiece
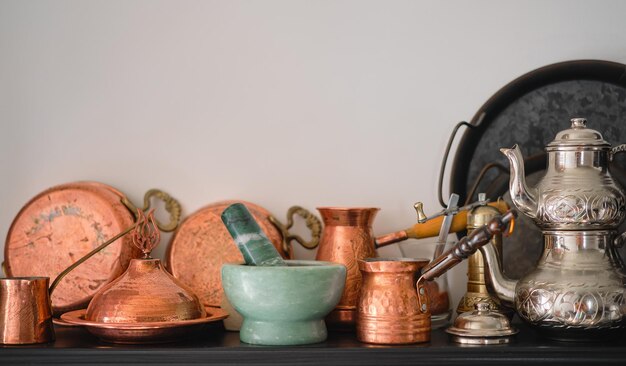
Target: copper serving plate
point(59, 226)
point(201, 245)
point(144, 332)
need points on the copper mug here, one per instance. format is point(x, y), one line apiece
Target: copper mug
point(346, 238)
point(25, 311)
point(389, 308)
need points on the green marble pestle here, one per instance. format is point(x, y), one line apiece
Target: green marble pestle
point(251, 241)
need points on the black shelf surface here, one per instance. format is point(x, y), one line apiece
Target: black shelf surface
point(216, 346)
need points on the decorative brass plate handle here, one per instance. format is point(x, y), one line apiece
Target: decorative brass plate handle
point(312, 222)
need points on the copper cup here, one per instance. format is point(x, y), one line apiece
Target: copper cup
point(25, 311)
point(390, 309)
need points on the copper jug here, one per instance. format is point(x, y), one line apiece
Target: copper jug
point(347, 237)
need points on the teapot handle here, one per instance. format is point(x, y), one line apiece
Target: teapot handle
point(617, 149)
point(619, 241)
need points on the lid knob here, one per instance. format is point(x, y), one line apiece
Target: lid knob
point(579, 122)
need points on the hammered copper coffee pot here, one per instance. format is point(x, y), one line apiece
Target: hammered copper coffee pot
point(577, 290)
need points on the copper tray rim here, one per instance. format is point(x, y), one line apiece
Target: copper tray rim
point(77, 317)
point(79, 185)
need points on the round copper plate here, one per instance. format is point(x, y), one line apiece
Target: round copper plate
point(145, 332)
point(59, 226)
point(202, 244)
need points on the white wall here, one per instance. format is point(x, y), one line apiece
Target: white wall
point(276, 102)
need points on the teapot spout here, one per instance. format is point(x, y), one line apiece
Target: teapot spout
point(522, 196)
point(502, 287)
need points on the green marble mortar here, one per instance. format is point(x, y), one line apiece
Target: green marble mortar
point(284, 305)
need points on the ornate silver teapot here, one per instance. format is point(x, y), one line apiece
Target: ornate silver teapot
point(577, 290)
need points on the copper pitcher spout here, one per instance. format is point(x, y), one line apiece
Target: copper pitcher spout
point(347, 237)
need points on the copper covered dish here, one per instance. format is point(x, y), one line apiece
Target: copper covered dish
point(201, 245)
point(145, 304)
point(59, 226)
point(144, 293)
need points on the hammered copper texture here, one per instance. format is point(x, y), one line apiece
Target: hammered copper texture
point(25, 313)
point(388, 310)
point(202, 244)
point(59, 226)
point(347, 237)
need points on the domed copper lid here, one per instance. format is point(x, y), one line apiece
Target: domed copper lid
point(145, 292)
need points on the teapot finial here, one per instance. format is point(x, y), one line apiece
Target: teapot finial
point(579, 122)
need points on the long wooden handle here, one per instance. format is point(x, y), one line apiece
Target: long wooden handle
point(431, 227)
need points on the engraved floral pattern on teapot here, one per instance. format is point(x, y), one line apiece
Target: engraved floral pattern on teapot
point(584, 207)
point(587, 305)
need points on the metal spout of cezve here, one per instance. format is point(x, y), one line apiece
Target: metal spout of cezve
point(251, 241)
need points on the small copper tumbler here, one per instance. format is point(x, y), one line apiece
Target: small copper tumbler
point(390, 309)
point(25, 311)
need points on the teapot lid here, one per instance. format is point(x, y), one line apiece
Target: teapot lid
point(578, 136)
